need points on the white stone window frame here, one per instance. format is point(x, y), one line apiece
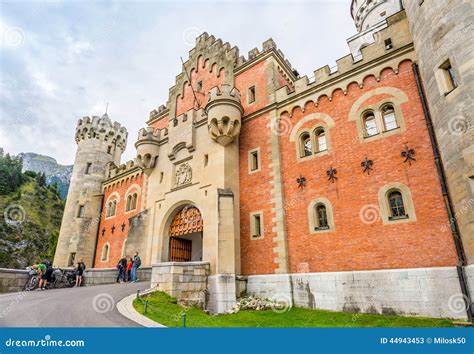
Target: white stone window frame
point(250, 160)
point(252, 225)
point(115, 196)
point(107, 254)
point(446, 84)
point(384, 205)
point(312, 135)
point(254, 88)
point(134, 188)
point(124, 247)
point(379, 121)
point(312, 216)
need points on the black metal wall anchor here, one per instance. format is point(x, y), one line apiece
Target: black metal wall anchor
point(408, 154)
point(103, 231)
point(331, 174)
point(301, 181)
point(113, 229)
point(123, 227)
point(367, 165)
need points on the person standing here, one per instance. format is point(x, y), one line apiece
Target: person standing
point(137, 262)
point(41, 269)
point(80, 268)
point(129, 269)
point(121, 266)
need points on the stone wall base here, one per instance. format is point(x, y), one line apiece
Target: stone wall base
point(98, 276)
point(426, 292)
point(186, 281)
point(12, 280)
point(221, 293)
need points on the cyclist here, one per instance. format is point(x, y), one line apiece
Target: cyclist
point(41, 269)
point(80, 267)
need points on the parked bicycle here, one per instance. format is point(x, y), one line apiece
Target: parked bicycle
point(61, 278)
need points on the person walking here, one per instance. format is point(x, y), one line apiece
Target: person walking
point(47, 274)
point(121, 266)
point(137, 262)
point(129, 269)
point(80, 268)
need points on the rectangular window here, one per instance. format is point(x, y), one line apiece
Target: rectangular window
point(256, 225)
point(88, 168)
point(72, 259)
point(206, 160)
point(448, 77)
point(254, 160)
point(109, 150)
point(251, 94)
point(81, 211)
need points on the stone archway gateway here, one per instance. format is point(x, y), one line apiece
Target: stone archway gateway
point(185, 235)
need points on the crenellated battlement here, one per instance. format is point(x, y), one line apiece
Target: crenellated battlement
point(148, 148)
point(113, 170)
point(373, 60)
point(223, 92)
point(101, 128)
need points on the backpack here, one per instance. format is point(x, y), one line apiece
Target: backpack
point(137, 262)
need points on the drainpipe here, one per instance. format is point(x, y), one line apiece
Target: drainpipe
point(447, 199)
point(99, 219)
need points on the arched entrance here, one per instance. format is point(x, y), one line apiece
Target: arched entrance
point(185, 235)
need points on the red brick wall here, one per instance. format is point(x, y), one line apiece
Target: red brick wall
point(355, 245)
point(116, 239)
point(209, 80)
point(254, 76)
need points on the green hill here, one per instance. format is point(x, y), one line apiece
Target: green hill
point(30, 217)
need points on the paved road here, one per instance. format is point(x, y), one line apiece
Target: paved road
point(91, 306)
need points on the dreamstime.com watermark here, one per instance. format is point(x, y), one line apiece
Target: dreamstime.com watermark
point(45, 342)
point(12, 305)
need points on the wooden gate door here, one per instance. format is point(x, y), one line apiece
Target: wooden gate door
point(180, 250)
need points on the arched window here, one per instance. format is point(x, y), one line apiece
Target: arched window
point(131, 202)
point(388, 116)
point(321, 217)
point(397, 207)
point(111, 208)
point(321, 143)
point(105, 253)
point(370, 124)
point(306, 146)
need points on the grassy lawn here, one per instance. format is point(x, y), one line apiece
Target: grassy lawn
point(163, 309)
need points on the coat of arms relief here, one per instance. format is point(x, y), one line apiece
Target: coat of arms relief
point(184, 174)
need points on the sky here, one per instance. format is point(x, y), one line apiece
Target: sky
point(62, 60)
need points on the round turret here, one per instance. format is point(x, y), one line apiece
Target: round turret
point(224, 113)
point(368, 13)
point(147, 147)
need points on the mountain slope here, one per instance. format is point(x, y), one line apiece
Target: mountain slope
point(30, 218)
point(55, 173)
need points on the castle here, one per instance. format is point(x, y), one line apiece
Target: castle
point(351, 190)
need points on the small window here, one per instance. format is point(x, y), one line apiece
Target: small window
point(254, 164)
point(321, 143)
point(111, 207)
point(388, 116)
point(161, 177)
point(397, 207)
point(321, 217)
point(109, 150)
point(370, 124)
point(388, 44)
point(306, 146)
point(206, 160)
point(105, 253)
point(256, 225)
point(72, 259)
point(81, 211)
point(88, 168)
point(131, 202)
point(199, 86)
point(449, 76)
point(251, 94)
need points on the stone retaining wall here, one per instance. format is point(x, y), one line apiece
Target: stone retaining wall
point(186, 281)
point(12, 280)
point(427, 292)
point(97, 276)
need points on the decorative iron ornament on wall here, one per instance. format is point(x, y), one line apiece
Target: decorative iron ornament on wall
point(408, 154)
point(367, 165)
point(123, 227)
point(331, 174)
point(103, 231)
point(301, 180)
point(113, 229)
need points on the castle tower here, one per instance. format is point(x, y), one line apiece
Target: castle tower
point(99, 142)
point(369, 18)
point(443, 43)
